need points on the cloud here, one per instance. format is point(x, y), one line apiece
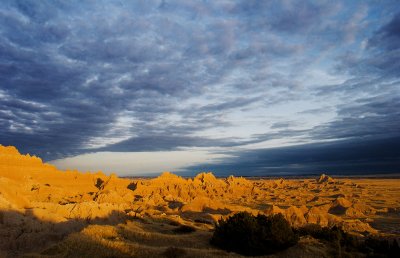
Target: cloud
point(369, 156)
point(368, 117)
point(137, 164)
point(165, 142)
point(388, 36)
point(78, 77)
point(379, 58)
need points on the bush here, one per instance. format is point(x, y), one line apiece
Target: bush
point(132, 186)
point(344, 242)
point(174, 252)
point(184, 229)
point(246, 234)
point(324, 233)
point(375, 247)
point(174, 223)
point(335, 236)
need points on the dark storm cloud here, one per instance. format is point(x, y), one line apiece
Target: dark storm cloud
point(230, 104)
point(152, 141)
point(63, 65)
point(75, 73)
point(388, 36)
point(371, 140)
point(381, 56)
point(165, 142)
point(76, 66)
point(368, 117)
point(367, 156)
point(385, 45)
point(376, 71)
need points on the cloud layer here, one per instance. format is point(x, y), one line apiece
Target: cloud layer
point(346, 157)
point(80, 77)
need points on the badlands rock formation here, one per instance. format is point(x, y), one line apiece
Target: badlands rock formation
point(41, 207)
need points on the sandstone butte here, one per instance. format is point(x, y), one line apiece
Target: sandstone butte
point(50, 212)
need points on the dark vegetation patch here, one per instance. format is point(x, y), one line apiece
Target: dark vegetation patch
point(132, 186)
point(174, 252)
point(99, 183)
point(203, 221)
point(184, 229)
point(246, 234)
point(174, 223)
point(175, 205)
point(346, 245)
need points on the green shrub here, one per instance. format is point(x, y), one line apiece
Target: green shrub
point(246, 234)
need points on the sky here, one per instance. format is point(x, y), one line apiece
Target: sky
point(234, 87)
